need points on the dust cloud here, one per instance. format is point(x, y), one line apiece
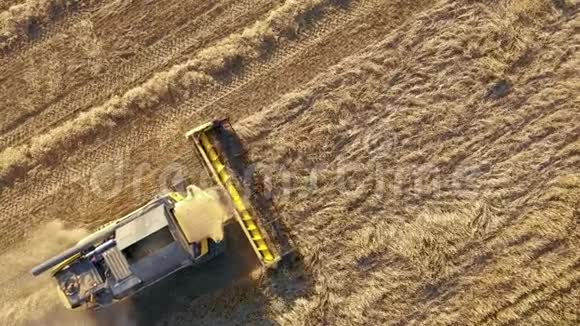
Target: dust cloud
point(209, 215)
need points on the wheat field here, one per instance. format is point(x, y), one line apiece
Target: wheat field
point(424, 156)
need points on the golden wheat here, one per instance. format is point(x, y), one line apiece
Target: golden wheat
point(473, 136)
point(445, 159)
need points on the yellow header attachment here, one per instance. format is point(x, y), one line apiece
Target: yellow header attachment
point(204, 138)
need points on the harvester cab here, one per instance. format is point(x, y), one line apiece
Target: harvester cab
point(171, 232)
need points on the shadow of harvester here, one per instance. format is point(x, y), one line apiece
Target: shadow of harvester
point(194, 294)
point(221, 292)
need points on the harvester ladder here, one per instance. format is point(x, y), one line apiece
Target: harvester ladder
point(117, 263)
point(248, 221)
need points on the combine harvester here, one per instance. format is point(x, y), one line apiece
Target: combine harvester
point(171, 232)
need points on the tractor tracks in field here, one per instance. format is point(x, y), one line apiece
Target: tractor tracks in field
point(336, 35)
point(213, 25)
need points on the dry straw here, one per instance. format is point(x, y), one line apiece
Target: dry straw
point(20, 22)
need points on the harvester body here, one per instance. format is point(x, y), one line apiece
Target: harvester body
point(171, 232)
point(133, 252)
